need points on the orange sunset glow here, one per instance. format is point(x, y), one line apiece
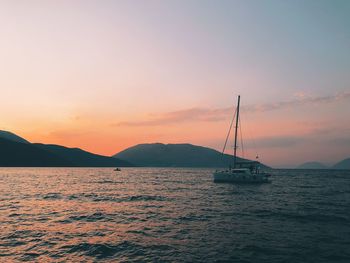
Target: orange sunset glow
point(107, 77)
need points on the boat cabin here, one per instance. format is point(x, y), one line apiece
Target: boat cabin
point(253, 166)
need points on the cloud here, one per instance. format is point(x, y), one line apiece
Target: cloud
point(219, 114)
point(278, 142)
point(298, 101)
point(193, 114)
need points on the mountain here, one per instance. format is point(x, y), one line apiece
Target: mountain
point(12, 137)
point(175, 155)
point(79, 157)
point(312, 165)
point(18, 154)
point(344, 164)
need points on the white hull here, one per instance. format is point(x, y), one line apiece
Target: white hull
point(242, 176)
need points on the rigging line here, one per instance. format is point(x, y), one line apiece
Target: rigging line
point(241, 135)
point(229, 131)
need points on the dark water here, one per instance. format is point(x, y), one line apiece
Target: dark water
point(172, 215)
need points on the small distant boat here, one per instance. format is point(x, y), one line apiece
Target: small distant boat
point(244, 172)
point(117, 169)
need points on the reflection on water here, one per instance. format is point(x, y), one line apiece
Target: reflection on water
point(60, 214)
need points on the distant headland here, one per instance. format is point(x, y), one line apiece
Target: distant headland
point(16, 151)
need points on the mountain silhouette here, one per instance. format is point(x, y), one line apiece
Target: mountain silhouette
point(175, 155)
point(312, 165)
point(12, 137)
point(19, 154)
point(344, 164)
point(79, 157)
point(16, 151)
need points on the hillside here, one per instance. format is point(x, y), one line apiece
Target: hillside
point(175, 155)
point(20, 154)
point(79, 157)
point(312, 165)
point(344, 164)
point(15, 154)
point(12, 137)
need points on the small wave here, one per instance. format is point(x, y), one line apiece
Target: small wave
point(105, 198)
point(52, 196)
point(81, 196)
point(102, 250)
point(72, 197)
point(98, 216)
point(134, 198)
point(29, 256)
point(193, 217)
point(13, 243)
point(14, 215)
point(146, 198)
point(314, 217)
point(87, 195)
point(104, 182)
point(139, 232)
point(160, 247)
point(23, 234)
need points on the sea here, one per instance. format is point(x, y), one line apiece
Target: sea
point(172, 215)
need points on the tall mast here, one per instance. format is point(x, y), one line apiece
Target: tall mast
point(236, 128)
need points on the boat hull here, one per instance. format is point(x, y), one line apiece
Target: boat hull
point(231, 177)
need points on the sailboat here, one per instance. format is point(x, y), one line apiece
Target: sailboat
point(242, 172)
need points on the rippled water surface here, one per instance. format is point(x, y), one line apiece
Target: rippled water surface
point(172, 215)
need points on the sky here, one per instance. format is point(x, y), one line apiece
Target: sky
point(106, 75)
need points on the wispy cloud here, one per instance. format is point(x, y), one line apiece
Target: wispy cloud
point(299, 101)
point(321, 133)
point(193, 114)
point(278, 142)
point(218, 114)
